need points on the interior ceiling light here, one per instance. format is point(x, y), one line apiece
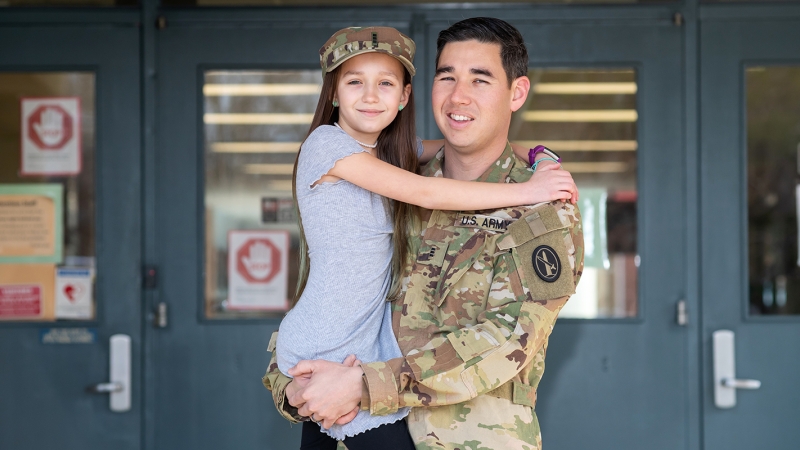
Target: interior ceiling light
point(584, 88)
point(257, 119)
point(255, 147)
point(280, 185)
point(269, 169)
point(588, 115)
point(260, 89)
point(584, 146)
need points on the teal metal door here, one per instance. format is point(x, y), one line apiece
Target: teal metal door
point(750, 145)
point(231, 107)
point(608, 96)
point(47, 361)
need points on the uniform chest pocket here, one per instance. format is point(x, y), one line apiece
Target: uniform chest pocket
point(543, 247)
point(460, 258)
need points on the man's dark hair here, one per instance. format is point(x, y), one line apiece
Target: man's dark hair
point(489, 30)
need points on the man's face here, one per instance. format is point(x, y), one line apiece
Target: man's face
point(472, 101)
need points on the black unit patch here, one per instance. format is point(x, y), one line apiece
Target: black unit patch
point(546, 263)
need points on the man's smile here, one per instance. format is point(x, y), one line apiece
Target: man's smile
point(460, 117)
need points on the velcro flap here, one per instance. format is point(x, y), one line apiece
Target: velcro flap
point(273, 341)
point(473, 341)
point(524, 395)
point(537, 222)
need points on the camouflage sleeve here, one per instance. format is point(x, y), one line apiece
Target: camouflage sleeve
point(276, 381)
point(521, 311)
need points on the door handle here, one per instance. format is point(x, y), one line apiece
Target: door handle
point(741, 384)
point(119, 370)
point(105, 388)
point(725, 381)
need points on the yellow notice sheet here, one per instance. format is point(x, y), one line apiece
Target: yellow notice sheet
point(31, 227)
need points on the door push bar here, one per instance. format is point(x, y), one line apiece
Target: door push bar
point(119, 368)
point(725, 381)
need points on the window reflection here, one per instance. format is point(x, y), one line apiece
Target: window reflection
point(773, 189)
point(47, 160)
point(254, 123)
point(589, 117)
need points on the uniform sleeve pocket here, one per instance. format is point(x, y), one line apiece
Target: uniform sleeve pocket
point(537, 240)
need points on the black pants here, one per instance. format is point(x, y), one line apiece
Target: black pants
point(392, 436)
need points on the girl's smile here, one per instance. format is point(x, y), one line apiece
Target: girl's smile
point(370, 91)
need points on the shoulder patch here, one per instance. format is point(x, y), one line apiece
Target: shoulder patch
point(546, 263)
point(538, 244)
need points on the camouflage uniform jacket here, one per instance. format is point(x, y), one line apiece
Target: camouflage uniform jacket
point(479, 303)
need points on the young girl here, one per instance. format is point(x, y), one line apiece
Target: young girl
point(362, 151)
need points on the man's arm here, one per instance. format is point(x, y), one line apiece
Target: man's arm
point(284, 388)
point(277, 382)
point(522, 309)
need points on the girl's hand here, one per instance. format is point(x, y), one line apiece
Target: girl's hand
point(550, 183)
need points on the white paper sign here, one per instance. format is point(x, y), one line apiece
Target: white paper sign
point(74, 295)
point(258, 274)
point(51, 136)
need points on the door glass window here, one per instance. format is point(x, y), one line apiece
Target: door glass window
point(47, 196)
point(254, 123)
point(773, 189)
point(589, 117)
point(256, 120)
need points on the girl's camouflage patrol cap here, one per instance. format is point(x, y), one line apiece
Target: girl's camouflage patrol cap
point(352, 41)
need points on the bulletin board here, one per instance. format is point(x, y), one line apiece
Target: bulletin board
point(31, 223)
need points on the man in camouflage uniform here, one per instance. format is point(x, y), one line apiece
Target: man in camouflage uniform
point(484, 288)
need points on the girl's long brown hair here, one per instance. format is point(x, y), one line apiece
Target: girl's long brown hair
point(397, 145)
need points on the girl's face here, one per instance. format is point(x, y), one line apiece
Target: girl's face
point(370, 91)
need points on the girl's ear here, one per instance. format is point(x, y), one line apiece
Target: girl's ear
point(406, 94)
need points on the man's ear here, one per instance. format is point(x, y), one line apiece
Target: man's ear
point(519, 92)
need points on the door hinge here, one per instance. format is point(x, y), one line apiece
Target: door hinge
point(681, 316)
point(161, 22)
point(160, 317)
point(677, 19)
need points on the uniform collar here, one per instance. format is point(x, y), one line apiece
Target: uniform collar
point(499, 171)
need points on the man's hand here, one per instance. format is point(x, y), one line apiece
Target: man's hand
point(297, 383)
point(333, 391)
point(549, 183)
point(351, 361)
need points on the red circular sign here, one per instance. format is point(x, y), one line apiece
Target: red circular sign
point(50, 127)
point(258, 260)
